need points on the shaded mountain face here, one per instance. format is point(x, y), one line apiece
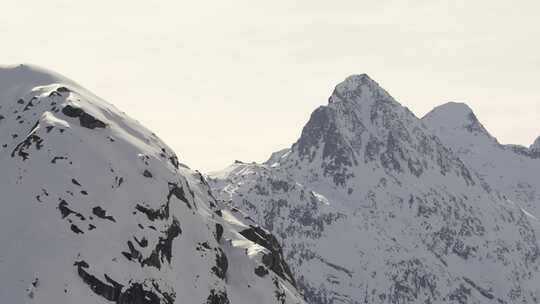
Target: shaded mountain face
point(511, 171)
point(535, 147)
point(363, 126)
point(372, 206)
point(96, 209)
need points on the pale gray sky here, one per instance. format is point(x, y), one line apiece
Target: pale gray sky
point(226, 80)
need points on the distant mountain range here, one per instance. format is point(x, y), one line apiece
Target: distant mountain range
point(370, 205)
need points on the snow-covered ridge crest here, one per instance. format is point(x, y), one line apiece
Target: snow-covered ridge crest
point(96, 208)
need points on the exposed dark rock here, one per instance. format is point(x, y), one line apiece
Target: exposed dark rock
point(66, 211)
point(101, 213)
point(261, 271)
point(163, 250)
point(143, 242)
point(56, 158)
point(219, 232)
point(86, 120)
point(222, 264)
point(274, 259)
point(29, 105)
point(82, 264)
point(76, 229)
point(22, 147)
point(133, 253)
point(71, 111)
point(147, 173)
point(174, 161)
point(178, 192)
point(219, 297)
point(135, 293)
point(337, 154)
point(154, 214)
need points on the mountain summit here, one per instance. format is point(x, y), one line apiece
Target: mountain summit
point(460, 120)
point(358, 88)
point(97, 209)
point(510, 171)
point(373, 205)
point(364, 127)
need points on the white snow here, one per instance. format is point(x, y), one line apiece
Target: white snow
point(58, 168)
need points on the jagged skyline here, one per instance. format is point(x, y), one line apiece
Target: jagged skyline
point(257, 70)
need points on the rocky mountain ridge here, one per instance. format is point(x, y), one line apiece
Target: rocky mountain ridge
point(374, 205)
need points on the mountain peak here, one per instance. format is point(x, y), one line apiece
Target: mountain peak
point(454, 115)
point(21, 78)
point(362, 78)
point(451, 111)
point(359, 88)
point(27, 74)
point(455, 107)
point(363, 126)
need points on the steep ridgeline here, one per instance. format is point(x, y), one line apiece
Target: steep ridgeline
point(511, 171)
point(371, 207)
point(96, 209)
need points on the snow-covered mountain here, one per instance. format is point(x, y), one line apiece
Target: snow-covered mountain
point(95, 208)
point(512, 171)
point(371, 206)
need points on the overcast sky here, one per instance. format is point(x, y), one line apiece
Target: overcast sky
point(226, 80)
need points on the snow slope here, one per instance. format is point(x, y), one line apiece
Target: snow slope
point(96, 209)
point(511, 171)
point(372, 207)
